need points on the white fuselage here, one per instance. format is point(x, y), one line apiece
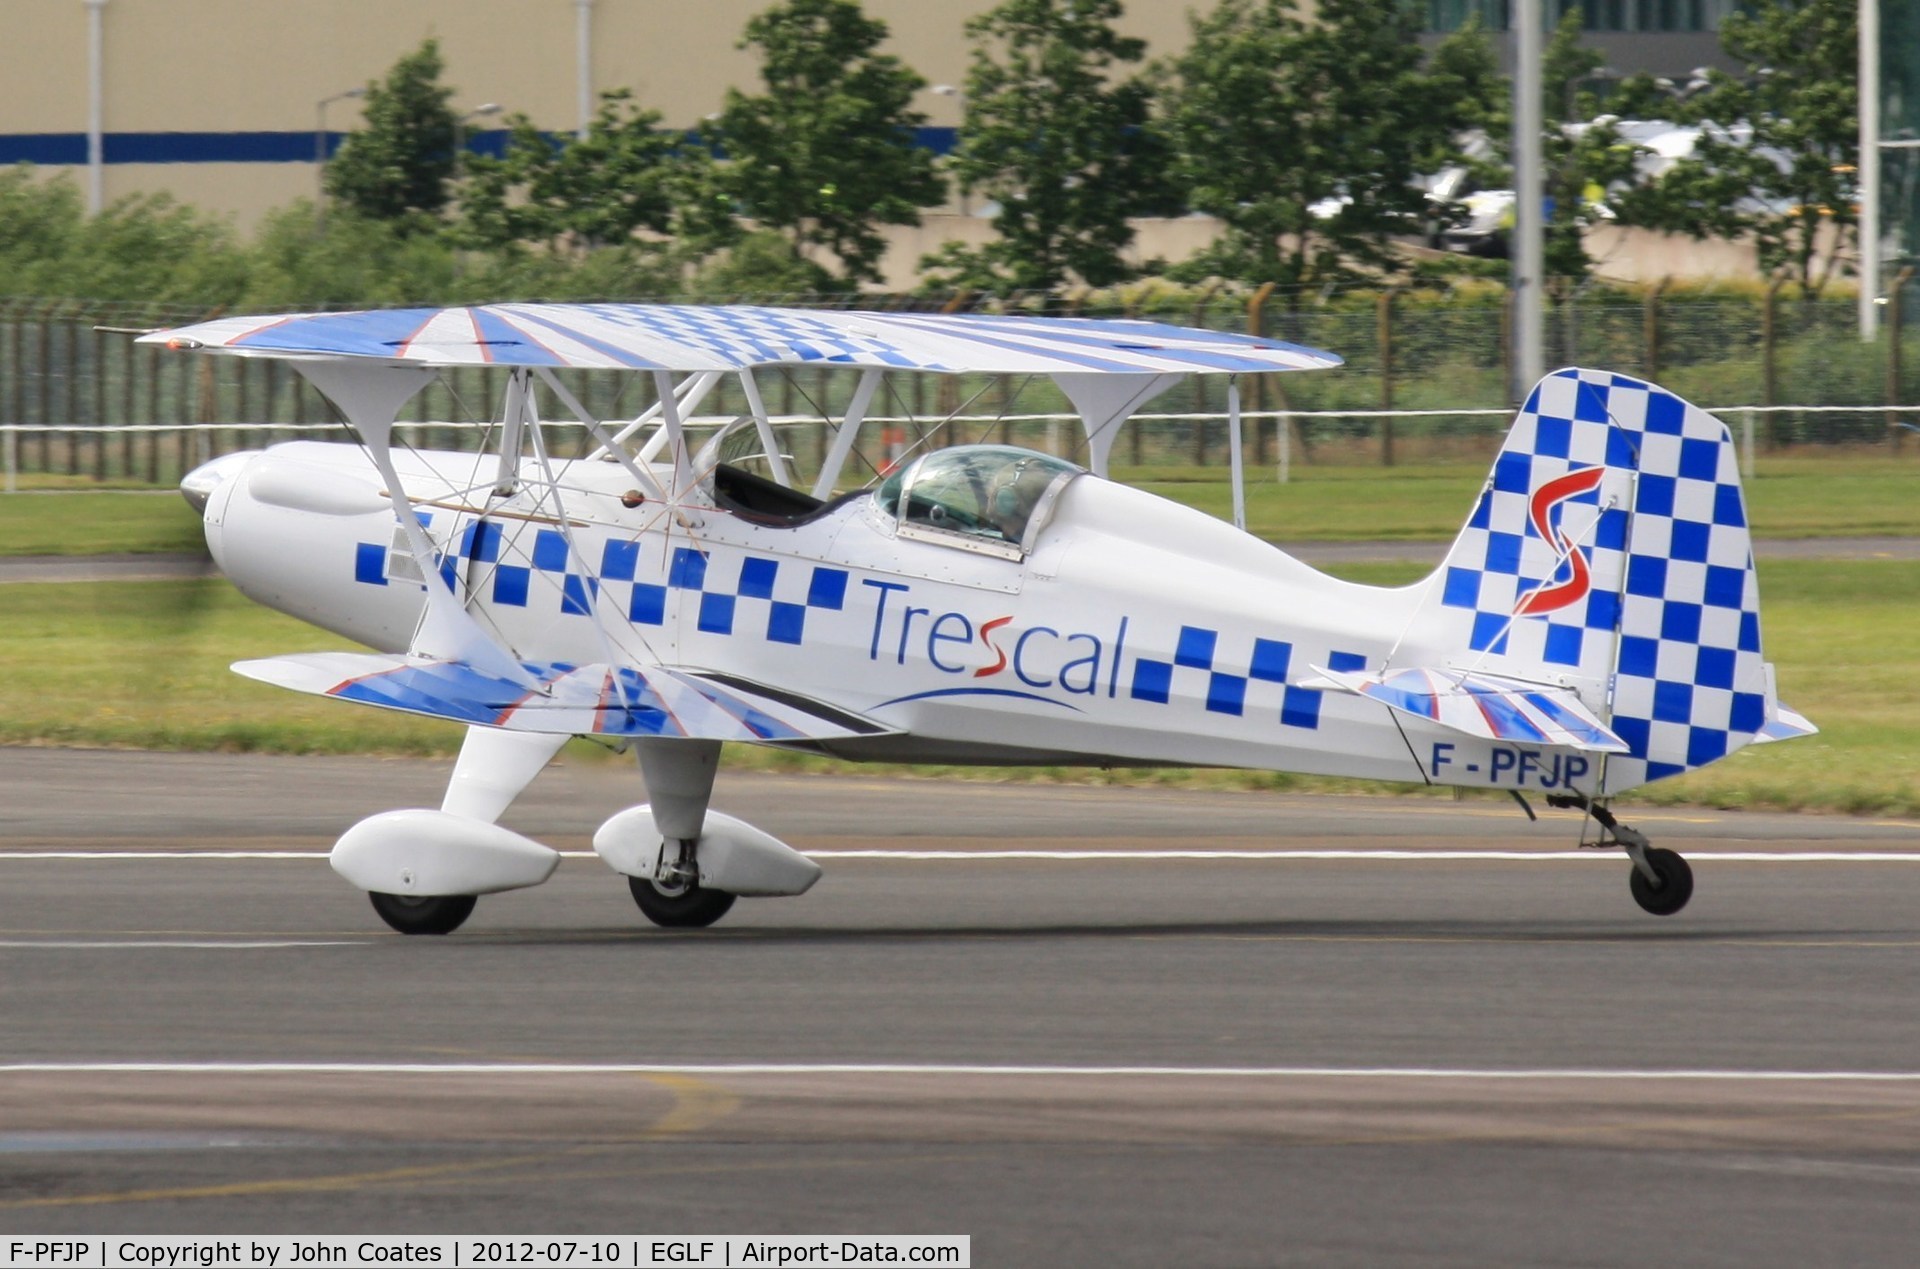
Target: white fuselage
point(1133, 631)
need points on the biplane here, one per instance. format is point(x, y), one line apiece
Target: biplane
point(1595, 625)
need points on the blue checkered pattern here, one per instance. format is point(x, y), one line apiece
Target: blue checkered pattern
point(1225, 691)
point(785, 591)
point(1664, 537)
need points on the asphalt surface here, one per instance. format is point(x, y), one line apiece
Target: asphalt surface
point(1086, 1026)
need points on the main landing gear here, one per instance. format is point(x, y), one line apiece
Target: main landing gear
point(423, 914)
point(1661, 881)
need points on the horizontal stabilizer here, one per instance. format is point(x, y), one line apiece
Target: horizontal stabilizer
point(571, 700)
point(1483, 705)
point(1786, 724)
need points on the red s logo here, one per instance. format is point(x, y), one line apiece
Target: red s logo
point(1539, 510)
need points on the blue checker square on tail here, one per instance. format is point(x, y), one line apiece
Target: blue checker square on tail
point(1152, 681)
point(1726, 587)
point(1621, 451)
point(1513, 473)
point(1639, 656)
point(1503, 553)
point(1564, 643)
point(1690, 540)
point(1749, 712)
point(1654, 496)
point(1590, 404)
point(716, 614)
point(1462, 588)
point(1637, 733)
point(550, 551)
point(828, 589)
point(1553, 437)
point(688, 570)
point(1226, 693)
point(370, 563)
point(1195, 649)
point(1680, 623)
point(1482, 512)
point(1749, 632)
point(648, 605)
point(1271, 657)
point(1714, 667)
point(1603, 610)
point(510, 583)
point(786, 623)
point(1489, 632)
point(577, 594)
point(1728, 509)
point(1672, 702)
point(619, 560)
point(1699, 458)
point(756, 577)
point(1647, 576)
point(1704, 745)
point(1666, 414)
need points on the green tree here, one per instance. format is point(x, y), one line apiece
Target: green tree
point(1778, 144)
point(627, 176)
point(398, 167)
point(1056, 136)
point(1306, 138)
point(144, 247)
point(827, 151)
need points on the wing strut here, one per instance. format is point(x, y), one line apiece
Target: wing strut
point(843, 436)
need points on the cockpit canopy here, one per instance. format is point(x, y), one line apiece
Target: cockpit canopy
point(992, 496)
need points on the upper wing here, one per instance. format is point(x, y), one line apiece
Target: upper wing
point(568, 700)
point(739, 337)
point(1483, 705)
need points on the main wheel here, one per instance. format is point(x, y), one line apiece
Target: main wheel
point(1676, 883)
point(691, 908)
point(423, 914)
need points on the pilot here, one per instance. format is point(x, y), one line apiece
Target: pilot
point(1013, 494)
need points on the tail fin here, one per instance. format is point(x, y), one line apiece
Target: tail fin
point(1609, 553)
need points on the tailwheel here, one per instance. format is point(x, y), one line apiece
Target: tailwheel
point(685, 907)
point(423, 914)
point(1675, 886)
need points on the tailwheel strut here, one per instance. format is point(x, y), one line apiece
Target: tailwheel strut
point(1661, 880)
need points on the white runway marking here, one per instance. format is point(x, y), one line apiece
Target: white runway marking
point(1605, 854)
point(440, 1069)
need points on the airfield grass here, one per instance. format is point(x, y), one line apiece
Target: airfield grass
point(143, 665)
point(1835, 496)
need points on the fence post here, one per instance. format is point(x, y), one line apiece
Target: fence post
point(1746, 444)
point(1650, 328)
point(1383, 333)
point(1257, 327)
point(1769, 356)
point(13, 459)
point(1892, 326)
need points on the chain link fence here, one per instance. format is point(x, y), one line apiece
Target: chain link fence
point(1427, 378)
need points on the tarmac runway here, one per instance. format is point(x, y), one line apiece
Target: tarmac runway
point(1086, 1026)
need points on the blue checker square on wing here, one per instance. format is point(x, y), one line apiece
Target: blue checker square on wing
point(1271, 657)
point(688, 570)
point(1195, 649)
point(619, 560)
point(370, 563)
point(576, 595)
point(716, 614)
point(1152, 681)
point(510, 585)
point(648, 605)
point(550, 551)
point(1226, 693)
point(756, 577)
point(828, 589)
point(786, 623)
